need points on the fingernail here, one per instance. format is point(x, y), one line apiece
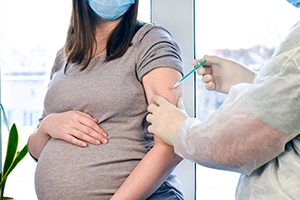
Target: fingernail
point(97, 142)
point(104, 140)
point(104, 134)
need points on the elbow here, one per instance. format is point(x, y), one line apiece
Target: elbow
point(166, 150)
point(236, 162)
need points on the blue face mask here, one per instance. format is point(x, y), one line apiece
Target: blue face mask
point(109, 10)
point(295, 3)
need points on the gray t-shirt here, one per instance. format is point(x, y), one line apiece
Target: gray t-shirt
point(111, 92)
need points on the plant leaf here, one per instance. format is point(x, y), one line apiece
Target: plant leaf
point(2, 190)
point(12, 146)
point(18, 158)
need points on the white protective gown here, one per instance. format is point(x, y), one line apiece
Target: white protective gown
point(256, 130)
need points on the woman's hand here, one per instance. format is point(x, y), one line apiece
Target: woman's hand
point(75, 127)
point(221, 74)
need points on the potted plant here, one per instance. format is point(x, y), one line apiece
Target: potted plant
point(12, 157)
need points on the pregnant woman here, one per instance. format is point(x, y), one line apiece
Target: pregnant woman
point(105, 76)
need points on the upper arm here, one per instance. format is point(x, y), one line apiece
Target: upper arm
point(160, 81)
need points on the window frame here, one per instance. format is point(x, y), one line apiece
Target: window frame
point(176, 23)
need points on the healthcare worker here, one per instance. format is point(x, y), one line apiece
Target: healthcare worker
point(256, 130)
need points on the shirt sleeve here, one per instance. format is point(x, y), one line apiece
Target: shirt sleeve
point(60, 62)
point(157, 49)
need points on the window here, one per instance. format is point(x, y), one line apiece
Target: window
point(32, 31)
point(31, 34)
point(247, 32)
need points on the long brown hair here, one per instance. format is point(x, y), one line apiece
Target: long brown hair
point(81, 41)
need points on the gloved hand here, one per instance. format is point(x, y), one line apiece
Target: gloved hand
point(165, 118)
point(221, 74)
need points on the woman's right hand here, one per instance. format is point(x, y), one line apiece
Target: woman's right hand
point(74, 127)
point(221, 74)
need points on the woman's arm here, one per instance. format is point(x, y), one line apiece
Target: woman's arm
point(73, 126)
point(160, 161)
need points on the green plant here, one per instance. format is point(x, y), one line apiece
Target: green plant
point(12, 157)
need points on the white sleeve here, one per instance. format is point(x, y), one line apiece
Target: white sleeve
point(253, 124)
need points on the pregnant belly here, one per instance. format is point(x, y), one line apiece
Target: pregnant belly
point(65, 171)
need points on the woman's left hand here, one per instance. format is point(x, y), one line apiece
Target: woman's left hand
point(165, 118)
